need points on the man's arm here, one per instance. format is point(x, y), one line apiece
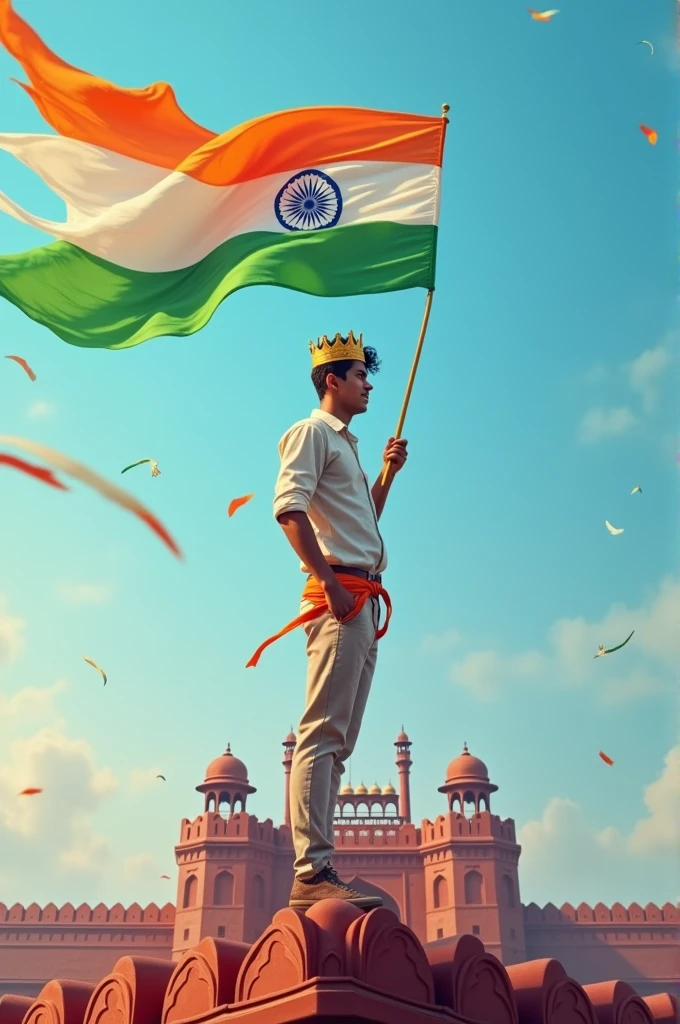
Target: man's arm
point(302, 539)
point(302, 461)
point(395, 453)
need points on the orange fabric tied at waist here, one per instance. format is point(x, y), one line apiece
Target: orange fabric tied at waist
point(314, 592)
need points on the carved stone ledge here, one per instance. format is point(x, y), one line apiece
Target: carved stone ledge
point(546, 995)
point(470, 981)
point(204, 978)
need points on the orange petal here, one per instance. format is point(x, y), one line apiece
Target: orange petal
point(605, 758)
point(31, 791)
point(237, 502)
point(652, 136)
point(23, 364)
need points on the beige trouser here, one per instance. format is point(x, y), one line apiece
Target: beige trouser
point(341, 661)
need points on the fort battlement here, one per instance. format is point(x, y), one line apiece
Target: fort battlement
point(85, 914)
point(241, 825)
point(600, 914)
point(454, 825)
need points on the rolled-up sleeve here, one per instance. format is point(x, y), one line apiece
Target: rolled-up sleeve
point(303, 454)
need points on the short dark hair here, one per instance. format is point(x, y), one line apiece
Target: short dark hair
point(340, 368)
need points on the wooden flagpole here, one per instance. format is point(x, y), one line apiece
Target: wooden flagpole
point(421, 338)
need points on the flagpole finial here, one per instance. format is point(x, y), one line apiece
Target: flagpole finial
point(445, 109)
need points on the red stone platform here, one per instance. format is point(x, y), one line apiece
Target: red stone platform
point(336, 964)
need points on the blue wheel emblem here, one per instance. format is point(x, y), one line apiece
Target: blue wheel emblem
point(308, 201)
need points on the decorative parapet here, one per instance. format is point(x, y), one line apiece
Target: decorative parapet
point(545, 994)
point(60, 1002)
point(615, 1002)
point(132, 994)
point(454, 825)
point(84, 914)
point(204, 978)
point(470, 981)
point(334, 962)
point(335, 939)
point(13, 1009)
point(601, 914)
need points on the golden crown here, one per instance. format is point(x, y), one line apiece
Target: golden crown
point(327, 350)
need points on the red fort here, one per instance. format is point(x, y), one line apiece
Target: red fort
point(452, 942)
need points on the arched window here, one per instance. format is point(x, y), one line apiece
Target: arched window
point(362, 809)
point(211, 803)
point(474, 887)
point(469, 803)
point(190, 891)
point(376, 810)
point(391, 809)
point(348, 811)
point(224, 805)
point(440, 892)
point(337, 813)
point(508, 891)
point(456, 803)
point(258, 891)
point(223, 895)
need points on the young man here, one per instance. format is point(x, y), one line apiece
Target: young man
point(329, 515)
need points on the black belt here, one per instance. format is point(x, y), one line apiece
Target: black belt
point(375, 577)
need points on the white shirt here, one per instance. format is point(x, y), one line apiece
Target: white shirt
point(320, 475)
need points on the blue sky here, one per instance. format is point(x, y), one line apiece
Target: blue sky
point(545, 393)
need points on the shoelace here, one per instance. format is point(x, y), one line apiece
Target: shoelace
point(332, 876)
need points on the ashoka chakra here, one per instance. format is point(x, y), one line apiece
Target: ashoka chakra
point(308, 201)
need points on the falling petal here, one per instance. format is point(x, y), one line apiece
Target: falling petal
point(605, 758)
point(161, 777)
point(98, 667)
point(648, 44)
point(92, 479)
point(165, 876)
point(23, 364)
point(652, 136)
point(636, 489)
point(237, 502)
point(46, 476)
point(542, 15)
point(31, 791)
point(613, 529)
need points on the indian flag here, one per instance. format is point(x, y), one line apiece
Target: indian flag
point(165, 219)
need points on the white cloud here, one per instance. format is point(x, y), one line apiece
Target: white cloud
point(564, 858)
point(644, 371)
point(434, 643)
point(142, 866)
point(644, 666)
point(141, 779)
point(11, 633)
point(643, 375)
point(84, 593)
point(46, 836)
point(599, 423)
point(40, 410)
point(597, 373)
point(661, 829)
point(28, 701)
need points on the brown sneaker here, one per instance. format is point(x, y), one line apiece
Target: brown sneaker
point(327, 886)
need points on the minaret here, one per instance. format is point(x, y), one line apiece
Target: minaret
point(403, 745)
point(288, 748)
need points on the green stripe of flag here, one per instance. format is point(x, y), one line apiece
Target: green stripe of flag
point(89, 302)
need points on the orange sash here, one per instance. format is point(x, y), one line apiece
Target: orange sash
point(314, 592)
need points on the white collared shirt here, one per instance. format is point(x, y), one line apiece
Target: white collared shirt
point(320, 474)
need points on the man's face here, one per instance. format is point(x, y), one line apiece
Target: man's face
point(353, 392)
